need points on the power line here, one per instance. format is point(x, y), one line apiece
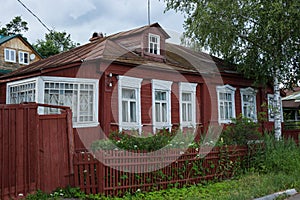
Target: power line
point(34, 15)
point(50, 31)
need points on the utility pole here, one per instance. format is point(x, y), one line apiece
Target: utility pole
point(148, 12)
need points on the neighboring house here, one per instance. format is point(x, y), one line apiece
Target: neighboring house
point(15, 52)
point(135, 80)
point(291, 105)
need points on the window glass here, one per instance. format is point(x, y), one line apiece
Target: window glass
point(154, 44)
point(226, 104)
point(9, 55)
point(129, 105)
point(23, 58)
point(22, 93)
point(161, 106)
point(78, 96)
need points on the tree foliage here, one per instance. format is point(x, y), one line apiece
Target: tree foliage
point(54, 43)
point(15, 26)
point(263, 37)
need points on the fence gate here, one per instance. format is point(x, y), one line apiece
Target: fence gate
point(34, 150)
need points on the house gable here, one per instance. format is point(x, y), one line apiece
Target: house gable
point(16, 52)
point(148, 41)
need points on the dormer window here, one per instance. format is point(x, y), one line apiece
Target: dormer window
point(154, 44)
point(23, 58)
point(9, 55)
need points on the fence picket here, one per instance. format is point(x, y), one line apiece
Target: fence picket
point(115, 178)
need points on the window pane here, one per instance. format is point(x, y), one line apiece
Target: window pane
point(6, 54)
point(228, 96)
point(12, 55)
point(184, 111)
point(189, 113)
point(222, 113)
point(133, 112)
point(249, 107)
point(157, 112)
point(186, 96)
point(230, 114)
point(22, 93)
point(160, 95)
point(226, 110)
point(154, 44)
point(128, 94)
point(157, 95)
point(124, 111)
point(164, 112)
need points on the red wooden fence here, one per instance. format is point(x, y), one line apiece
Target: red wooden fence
point(19, 147)
point(118, 171)
point(35, 150)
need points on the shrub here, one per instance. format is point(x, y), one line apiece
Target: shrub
point(240, 131)
point(120, 140)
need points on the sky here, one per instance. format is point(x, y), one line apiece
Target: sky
point(81, 18)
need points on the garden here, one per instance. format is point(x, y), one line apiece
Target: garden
point(268, 166)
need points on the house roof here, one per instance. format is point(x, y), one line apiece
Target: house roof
point(139, 30)
point(4, 39)
point(292, 98)
point(177, 57)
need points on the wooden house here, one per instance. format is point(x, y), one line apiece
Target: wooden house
point(16, 52)
point(135, 80)
point(291, 105)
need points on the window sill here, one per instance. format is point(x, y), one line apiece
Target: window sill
point(10, 61)
point(86, 125)
point(225, 122)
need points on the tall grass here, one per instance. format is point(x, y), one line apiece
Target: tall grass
point(277, 156)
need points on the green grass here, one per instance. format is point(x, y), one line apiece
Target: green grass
point(248, 186)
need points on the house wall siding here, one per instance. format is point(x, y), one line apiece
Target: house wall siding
point(18, 45)
point(206, 96)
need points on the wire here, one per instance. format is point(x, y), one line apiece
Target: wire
point(50, 31)
point(34, 15)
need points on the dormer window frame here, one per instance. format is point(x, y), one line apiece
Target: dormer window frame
point(9, 55)
point(154, 43)
point(24, 58)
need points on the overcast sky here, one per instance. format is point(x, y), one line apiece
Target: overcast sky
point(81, 18)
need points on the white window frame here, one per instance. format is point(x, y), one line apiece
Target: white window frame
point(163, 86)
point(252, 92)
point(157, 37)
point(125, 82)
point(22, 58)
point(229, 90)
point(10, 58)
point(40, 94)
point(191, 89)
point(21, 86)
point(270, 107)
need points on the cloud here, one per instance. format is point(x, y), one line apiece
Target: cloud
point(81, 18)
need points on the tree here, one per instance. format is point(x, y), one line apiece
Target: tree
point(54, 43)
point(262, 37)
point(15, 26)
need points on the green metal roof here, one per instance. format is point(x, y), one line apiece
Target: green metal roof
point(4, 39)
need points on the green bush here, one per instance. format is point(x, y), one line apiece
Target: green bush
point(240, 132)
point(163, 139)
